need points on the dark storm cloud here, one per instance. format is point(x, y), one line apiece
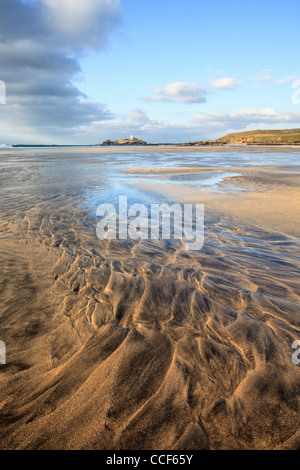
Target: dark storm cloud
point(40, 46)
point(19, 20)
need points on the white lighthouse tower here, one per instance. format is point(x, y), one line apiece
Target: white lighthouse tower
point(131, 137)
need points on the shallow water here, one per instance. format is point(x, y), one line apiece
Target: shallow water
point(98, 178)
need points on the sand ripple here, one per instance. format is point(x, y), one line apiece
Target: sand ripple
point(122, 345)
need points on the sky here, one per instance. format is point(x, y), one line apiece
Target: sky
point(80, 72)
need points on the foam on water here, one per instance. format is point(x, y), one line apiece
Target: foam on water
point(4, 146)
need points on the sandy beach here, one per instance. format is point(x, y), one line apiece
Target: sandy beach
point(141, 344)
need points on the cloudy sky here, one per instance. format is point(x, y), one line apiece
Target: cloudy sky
point(82, 71)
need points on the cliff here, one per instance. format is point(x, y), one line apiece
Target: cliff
point(264, 137)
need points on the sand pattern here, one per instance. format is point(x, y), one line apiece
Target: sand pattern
point(143, 345)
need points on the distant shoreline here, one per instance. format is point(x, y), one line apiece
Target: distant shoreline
point(180, 145)
point(258, 138)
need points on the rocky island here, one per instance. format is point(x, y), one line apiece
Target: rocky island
point(130, 141)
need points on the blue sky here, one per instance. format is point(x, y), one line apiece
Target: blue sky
point(167, 71)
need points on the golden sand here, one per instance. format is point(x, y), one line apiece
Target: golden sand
point(142, 345)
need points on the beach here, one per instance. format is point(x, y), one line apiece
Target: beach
point(142, 344)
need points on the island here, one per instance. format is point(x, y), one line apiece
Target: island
point(131, 141)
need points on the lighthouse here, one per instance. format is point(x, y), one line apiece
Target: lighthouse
point(131, 137)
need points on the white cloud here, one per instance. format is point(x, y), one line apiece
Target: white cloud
point(190, 93)
point(85, 23)
point(138, 116)
point(263, 76)
point(286, 81)
point(246, 117)
point(225, 83)
point(179, 92)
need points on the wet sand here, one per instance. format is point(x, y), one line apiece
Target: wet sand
point(144, 345)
